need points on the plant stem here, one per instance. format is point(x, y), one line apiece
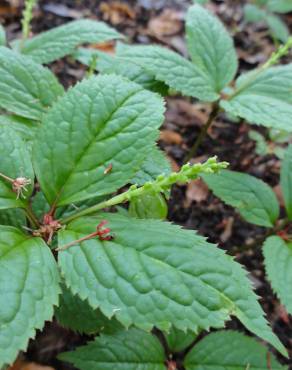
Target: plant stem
point(203, 133)
point(92, 66)
point(118, 199)
point(87, 237)
point(160, 185)
point(7, 178)
point(31, 216)
point(274, 58)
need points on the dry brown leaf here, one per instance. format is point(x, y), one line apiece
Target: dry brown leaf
point(22, 365)
point(174, 166)
point(116, 12)
point(107, 47)
point(8, 10)
point(168, 23)
point(18, 364)
point(281, 311)
point(228, 226)
point(34, 366)
point(200, 158)
point(197, 191)
point(171, 137)
point(184, 113)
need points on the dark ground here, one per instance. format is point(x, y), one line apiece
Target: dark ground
point(161, 21)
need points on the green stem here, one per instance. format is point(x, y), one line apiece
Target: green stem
point(31, 216)
point(192, 152)
point(160, 185)
point(92, 66)
point(275, 57)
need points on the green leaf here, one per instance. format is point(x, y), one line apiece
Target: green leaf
point(24, 127)
point(202, 2)
point(264, 98)
point(279, 152)
point(77, 315)
point(262, 147)
point(279, 136)
point(286, 180)
point(274, 82)
point(103, 122)
point(154, 165)
point(278, 28)
point(254, 199)
point(149, 206)
point(280, 6)
point(108, 64)
point(156, 274)
point(13, 217)
point(126, 350)
point(278, 263)
point(260, 2)
point(15, 162)
point(253, 13)
point(230, 350)
point(60, 41)
point(2, 36)
point(174, 70)
point(28, 290)
point(40, 206)
point(211, 47)
point(26, 88)
point(178, 341)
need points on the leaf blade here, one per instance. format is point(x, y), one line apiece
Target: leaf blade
point(26, 88)
point(118, 120)
point(254, 199)
point(278, 264)
point(263, 98)
point(77, 315)
point(210, 46)
point(148, 294)
point(126, 350)
point(286, 180)
point(154, 165)
point(172, 69)
point(108, 64)
point(60, 41)
point(28, 295)
point(229, 350)
point(15, 162)
point(280, 6)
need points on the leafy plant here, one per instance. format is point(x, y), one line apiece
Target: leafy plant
point(261, 96)
point(145, 350)
point(274, 143)
point(132, 278)
point(266, 12)
point(68, 160)
point(257, 204)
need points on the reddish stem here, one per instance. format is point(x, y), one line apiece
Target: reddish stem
point(101, 233)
